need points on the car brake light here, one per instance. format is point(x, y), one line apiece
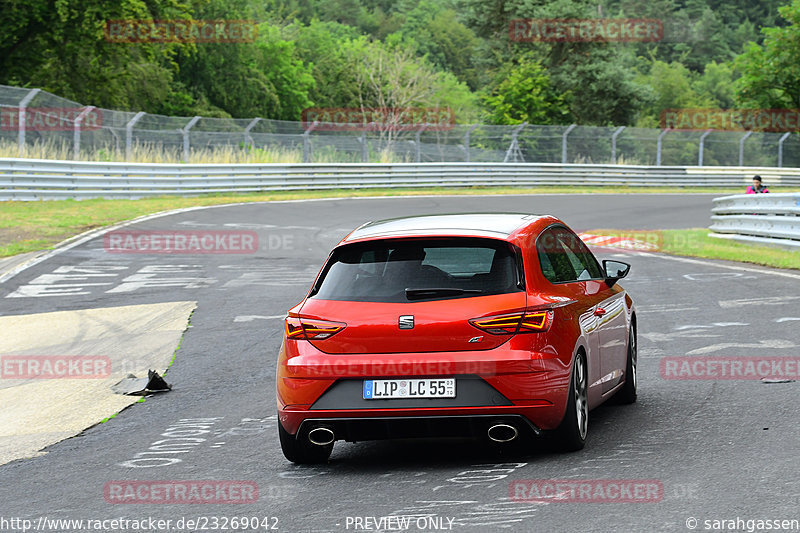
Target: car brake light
point(531, 321)
point(308, 329)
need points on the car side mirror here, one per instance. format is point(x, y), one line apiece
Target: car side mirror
point(615, 270)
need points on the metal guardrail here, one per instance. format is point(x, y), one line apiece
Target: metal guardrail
point(35, 179)
point(763, 218)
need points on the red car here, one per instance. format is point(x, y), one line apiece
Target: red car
point(496, 326)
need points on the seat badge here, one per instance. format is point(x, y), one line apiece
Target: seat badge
point(476, 339)
point(406, 322)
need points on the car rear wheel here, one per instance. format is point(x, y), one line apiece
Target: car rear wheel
point(571, 434)
point(301, 451)
point(627, 394)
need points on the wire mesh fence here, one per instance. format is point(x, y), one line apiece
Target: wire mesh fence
point(35, 123)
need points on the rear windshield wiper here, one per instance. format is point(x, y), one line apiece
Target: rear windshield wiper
point(421, 294)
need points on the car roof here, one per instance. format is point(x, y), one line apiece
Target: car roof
point(496, 225)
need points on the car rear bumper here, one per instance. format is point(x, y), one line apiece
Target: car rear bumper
point(512, 380)
point(543, 416)
point(353, 429)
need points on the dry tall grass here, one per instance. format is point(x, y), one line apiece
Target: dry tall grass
point(151, 153)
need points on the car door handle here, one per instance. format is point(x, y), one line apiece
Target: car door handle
point(599, 311)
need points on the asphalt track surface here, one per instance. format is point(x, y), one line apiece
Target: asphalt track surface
point(720, 449)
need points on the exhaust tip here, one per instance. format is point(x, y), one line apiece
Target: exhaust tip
point(502, 433)
point(321, 436)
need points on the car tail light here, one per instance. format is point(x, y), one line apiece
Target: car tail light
point(311, 329)
point(530, 321)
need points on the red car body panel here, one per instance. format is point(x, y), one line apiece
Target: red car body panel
point(531, 370)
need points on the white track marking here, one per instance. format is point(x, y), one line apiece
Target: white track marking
point(664, 308)
point(717, 324)
point(748, 302)
point(250, 318)
point(91, 234)
point(158, 276)
point(777, 344)
point(714, 276)
point(644, 311)
point(720, 265)
point(76, 276)
point(668, 337)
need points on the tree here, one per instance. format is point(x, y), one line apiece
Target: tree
point(600, 80)
point(61, 47)
point(393, 81)
point(598, 76)
point(264, 78)
point(525, 94)
point(332, 51)
point(771, 73)
point(670, 86)
point(435, 33)
point(716, 85)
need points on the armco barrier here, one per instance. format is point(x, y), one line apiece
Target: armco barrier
point(763, 218)
point(34, 179)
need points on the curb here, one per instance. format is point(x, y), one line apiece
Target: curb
point(18, 262)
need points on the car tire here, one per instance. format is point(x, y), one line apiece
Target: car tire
point(301, 451)
point(627, 394)
point(571, 433)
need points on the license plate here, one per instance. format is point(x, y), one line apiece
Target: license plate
point(388, 389)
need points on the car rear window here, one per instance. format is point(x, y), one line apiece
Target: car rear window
point(399, 270)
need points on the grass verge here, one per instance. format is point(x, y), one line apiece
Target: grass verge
point(695, 242)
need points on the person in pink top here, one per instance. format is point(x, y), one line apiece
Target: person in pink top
point(756, 187)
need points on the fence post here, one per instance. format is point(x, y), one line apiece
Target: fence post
point(780, 147)
point(116, 139)
point(23, 105)
point(185, 132)
point(741, 147)
point(129, 134)
point(417, 151)
point(364, 146)
point(247, 133)
point(76, 133)
point(513, 148)
point(702, 145)
point(564, 144)
point(658, 146)
point(307, 142)
point(614, 145)
point(465, 146)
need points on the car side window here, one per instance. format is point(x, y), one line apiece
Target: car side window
point(581, 257)
point(564, 257)
point(580, 272)
point(553, 257)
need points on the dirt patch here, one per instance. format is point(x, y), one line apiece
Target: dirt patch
point(48, 236)
point(12, 235)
